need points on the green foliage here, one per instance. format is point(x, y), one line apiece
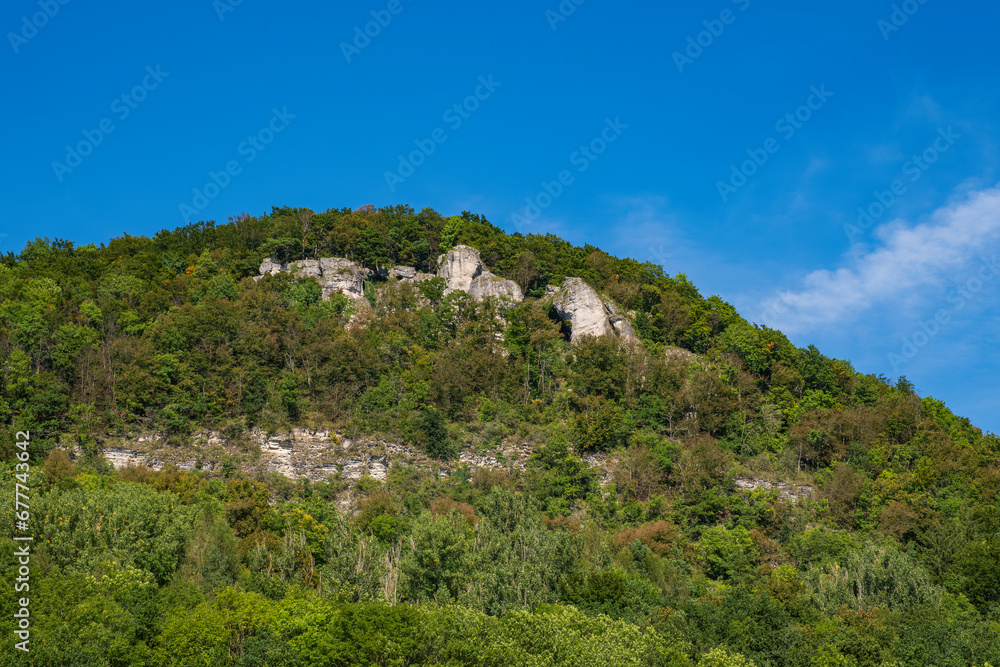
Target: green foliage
point(727, 554)
point(434, 434)
point(438, 566)
point(719, 657)
point(874, 576)
point(130, 524)
point(612, 528)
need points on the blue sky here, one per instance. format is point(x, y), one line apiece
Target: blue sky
point(729, 140)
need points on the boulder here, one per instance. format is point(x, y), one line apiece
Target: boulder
point(584, 313)
point(463, 269)
point(335, 274)
point(460, 266)
point(623, 328)
point(305, 268)
point(582, 310)
point(403, 272)
point(489, 285)
point(269, 267)
point(344, 276)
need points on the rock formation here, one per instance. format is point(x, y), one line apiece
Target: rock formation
point(586, 314)
point(489, 285)
point(407, 274)
point(334, 274)
point(459, 267)
point(269, 267)
point(342, 275)
point(463, 270)
point(403, 272)
point(581, 308)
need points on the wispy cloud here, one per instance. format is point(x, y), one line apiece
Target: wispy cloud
point(907, 266)
point(646, 231)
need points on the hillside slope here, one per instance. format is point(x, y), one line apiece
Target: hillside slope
point(379, 407)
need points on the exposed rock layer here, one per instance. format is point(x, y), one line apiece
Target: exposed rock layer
point(334, 274)
point(583, 311)
point(464, 270)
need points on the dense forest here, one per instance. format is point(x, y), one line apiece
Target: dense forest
point(891, 558)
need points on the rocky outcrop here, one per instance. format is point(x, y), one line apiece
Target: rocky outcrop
point(459, 267)
point(584, 313)
point(334, 274)
point(622, 327)
point(308, 453)
point(790, 492)
point(487, 286)
point(344, 276)
point(269, 267)
point(403, 272)
point(406, 274)
point(464, 271)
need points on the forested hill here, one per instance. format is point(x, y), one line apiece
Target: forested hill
point(695, 553)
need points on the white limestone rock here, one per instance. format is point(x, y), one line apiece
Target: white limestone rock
point(344, 276)
point(489, 285)
point(460, 266)
point(403, 272)
point(623, 328)
point(305, 268)
point(463, 269)
point(583, 311)
point(269, 267)
point(334, 274)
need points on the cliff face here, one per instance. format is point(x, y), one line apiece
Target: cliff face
point(464, 270)
point(334, 274)
point(317, 455)
point(579, 306)
point(313, 454)
point(583, 311)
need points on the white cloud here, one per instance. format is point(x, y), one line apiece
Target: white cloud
point(905, 267)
